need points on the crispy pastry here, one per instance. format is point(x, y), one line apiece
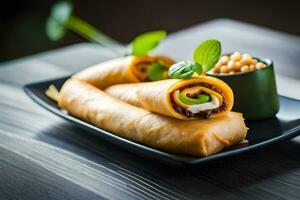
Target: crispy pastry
point(200, 97)
point(129, 69)
point(200, 137)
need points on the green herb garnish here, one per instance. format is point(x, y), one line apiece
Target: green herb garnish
point(184, 69)
point(61, 20)
point(206, 55)
point(157, 72)
point(144, 43)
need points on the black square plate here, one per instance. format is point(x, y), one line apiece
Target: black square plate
point(284, 126)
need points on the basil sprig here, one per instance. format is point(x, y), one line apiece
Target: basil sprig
point(144, 43)
point(184, 69)
point(206, 55)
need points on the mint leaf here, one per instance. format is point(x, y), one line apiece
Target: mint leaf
point(207, 54)
point(145, 42)
point(156, 72)
point(183, 70)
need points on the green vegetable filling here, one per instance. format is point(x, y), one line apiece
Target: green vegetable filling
point(157, 72)
point(206, 55)
point(199, 99)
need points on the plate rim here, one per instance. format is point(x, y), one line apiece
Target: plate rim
point(174, 158)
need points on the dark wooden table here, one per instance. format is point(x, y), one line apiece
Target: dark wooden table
point(45, 157)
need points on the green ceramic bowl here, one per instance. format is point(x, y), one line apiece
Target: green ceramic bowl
point(255, 93)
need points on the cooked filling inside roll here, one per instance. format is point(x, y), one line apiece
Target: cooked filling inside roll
point(198, 100)
point(140, 70)
point(152, 69)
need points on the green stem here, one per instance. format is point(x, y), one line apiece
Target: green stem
point(89, 32)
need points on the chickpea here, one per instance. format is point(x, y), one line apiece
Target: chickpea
point(231, 65)
point(219, 64)
point(238, 66)
point(252, 67)
point(246, 56)
point(246, 59)
point(260, 65)
point(236, 56)
point(244, 62)
point(237, 62)
point(245, 68)
point(224, 69)
point(216, 69)
point(224, 59)
point(253, 61)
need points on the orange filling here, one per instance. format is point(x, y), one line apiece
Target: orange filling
point(140, 70)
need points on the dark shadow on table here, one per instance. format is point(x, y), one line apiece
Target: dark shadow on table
point(237, 172)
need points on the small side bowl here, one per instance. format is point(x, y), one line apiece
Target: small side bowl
point(255, 93)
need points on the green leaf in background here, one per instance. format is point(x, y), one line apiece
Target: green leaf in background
point(59, 17)
point(182, 70)
point(207, 54)
point(145, 42)
point(61, 20)
point(156, 72)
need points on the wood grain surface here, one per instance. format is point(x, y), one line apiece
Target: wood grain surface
point(45, 157)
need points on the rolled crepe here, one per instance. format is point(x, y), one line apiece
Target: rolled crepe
point(129, 69)
point(196, 137)
point(168, 97)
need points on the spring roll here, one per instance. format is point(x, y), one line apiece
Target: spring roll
point(200, 97)
point(195, 137)
point(129, 69)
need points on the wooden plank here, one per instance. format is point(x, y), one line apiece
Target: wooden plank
point(45, 157)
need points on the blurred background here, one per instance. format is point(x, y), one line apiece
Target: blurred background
point(23, 21)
